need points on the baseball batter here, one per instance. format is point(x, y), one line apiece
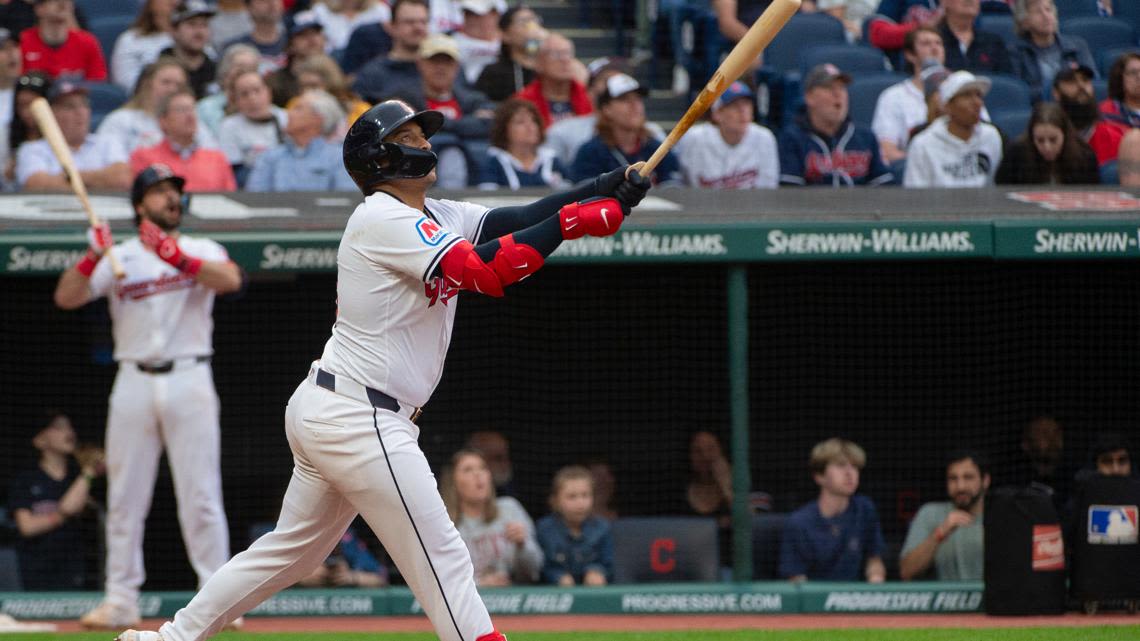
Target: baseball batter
point(163, 396)
point(351, 423)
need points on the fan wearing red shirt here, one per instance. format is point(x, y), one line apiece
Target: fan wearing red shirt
point(57, 48)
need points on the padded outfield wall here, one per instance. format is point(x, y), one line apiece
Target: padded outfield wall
point(910, 321)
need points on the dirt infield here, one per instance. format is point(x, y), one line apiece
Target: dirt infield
point(584, 623)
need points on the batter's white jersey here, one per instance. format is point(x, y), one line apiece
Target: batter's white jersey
point(159, 313)
point(392, 332)
point(708, 161)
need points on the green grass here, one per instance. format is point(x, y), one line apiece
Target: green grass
point(1101, 633)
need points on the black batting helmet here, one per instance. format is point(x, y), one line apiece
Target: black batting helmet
point(150, 177)
point(370, 160)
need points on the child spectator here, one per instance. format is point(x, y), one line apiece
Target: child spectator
point(516, 158)
point(577, 545)
point(1049, 153)
point(44, 502)
point(836, 537)
point(498, 531)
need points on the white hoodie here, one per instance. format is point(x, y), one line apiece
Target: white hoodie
point(938, 158)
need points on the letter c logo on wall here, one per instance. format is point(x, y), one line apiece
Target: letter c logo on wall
point(661, 555)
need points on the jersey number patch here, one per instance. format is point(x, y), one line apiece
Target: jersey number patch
point(430, 231)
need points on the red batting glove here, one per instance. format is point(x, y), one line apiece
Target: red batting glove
point(593, 217)
point(98, 242)
point(156, 240)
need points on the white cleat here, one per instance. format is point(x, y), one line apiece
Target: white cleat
point(139, 635)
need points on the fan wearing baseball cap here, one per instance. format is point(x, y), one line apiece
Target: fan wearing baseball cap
point(732, 151)
point(957, 149)
point(480, 38)
point(101, 160)
point(1073, 90)
point(622, 137)
point(823, 146)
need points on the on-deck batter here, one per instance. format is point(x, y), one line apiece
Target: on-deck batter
point(351, 422)
point(163, 396)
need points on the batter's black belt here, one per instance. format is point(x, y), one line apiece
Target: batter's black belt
point(165, 367)
point(377, 398)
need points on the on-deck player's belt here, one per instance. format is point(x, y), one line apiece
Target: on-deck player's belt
point(165, 367)
point(348, 387)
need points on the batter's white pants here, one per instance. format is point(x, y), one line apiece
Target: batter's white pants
point(349, 458)
point(178, 410)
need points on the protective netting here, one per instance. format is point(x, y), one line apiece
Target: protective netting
point(624, 363)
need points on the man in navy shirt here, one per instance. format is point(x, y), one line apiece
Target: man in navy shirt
point(823, 147)
point(837, 536)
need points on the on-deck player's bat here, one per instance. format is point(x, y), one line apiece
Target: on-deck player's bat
point(49, 128)
point(739, 59)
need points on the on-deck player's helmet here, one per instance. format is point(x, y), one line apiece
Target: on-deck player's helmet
point(150, 177)
point(370, 160)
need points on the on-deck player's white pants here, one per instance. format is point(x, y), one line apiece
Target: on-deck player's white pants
point(178, 410)
point(349, 458)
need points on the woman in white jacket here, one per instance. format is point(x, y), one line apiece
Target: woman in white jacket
point(140, 45)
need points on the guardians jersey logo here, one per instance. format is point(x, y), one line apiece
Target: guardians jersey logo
point(439, 290)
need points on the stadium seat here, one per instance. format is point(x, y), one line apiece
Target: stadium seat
point(665, 548)
point(1128, 12)
point(1105, 57)
point(105, 98)
point(783, 53)
point(1001, 24)
point(1011, 122)
point(853, 59)
point(767, 532)
point(1075, 8)
point(106, 30)
point(1100, 86)
point(992, 7)
point(704, 44)
point(104, 8)
point(1100, 32)
point(9, 570)
point(1008, 92)
point(1109, 174)
point(864, 92)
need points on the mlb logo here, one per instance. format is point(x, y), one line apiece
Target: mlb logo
point(1048, 548)
point(430, 231)
point(1112, 524)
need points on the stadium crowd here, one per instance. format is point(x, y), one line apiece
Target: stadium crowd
point(257, 94)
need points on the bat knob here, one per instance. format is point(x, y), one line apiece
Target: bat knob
point(634, 167)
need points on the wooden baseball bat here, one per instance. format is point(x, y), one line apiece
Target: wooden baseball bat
point(739, 59)
point(49, 128)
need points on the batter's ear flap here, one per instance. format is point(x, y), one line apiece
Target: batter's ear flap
point(388, 158)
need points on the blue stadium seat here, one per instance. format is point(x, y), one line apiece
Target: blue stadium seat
point(1105, 57)
point(1100, 86)
point(106, 30)
point(864, 93)
point(1109, 173)
point(665, 548)
point(1001, 24)
point(1011, 122)
point(853, 59)
point(1100, 32)
point(1128, 12)
point(1008, 92)
point(995, 7)
point(1075, 8)
point(783, 53)
point(105, 98)
point(104, 8)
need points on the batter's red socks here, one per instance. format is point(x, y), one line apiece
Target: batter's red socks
point(495, 635)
